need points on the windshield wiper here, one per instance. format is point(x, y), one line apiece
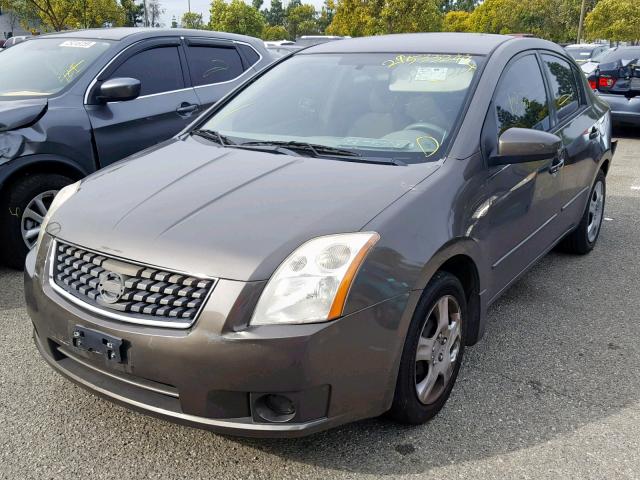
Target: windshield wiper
point(314, 149)
point(214, 136)
point(322, 151)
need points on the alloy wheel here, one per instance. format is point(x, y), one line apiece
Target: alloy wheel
point(33, 216)
point(596, 207)
point(438, 347)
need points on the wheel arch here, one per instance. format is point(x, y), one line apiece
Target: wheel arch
point(461, 258)
point(37, 164)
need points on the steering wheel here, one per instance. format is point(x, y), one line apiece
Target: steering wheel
point(428, 128)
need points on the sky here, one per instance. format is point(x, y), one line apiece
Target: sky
point(178, 7)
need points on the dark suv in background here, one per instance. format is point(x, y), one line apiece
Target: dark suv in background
point(71, 103)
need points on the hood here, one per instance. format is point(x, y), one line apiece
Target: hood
point(20, 113)
point(225, 212)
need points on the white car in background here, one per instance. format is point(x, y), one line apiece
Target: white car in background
point(587, 55)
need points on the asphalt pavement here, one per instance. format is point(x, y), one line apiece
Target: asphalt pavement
point(552, 391)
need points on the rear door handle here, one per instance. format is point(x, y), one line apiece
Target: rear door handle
point(187, 109)
point(593, 133)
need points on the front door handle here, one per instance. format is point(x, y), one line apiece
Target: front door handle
point(186, 109)
point(593, 133)
point(557, 163)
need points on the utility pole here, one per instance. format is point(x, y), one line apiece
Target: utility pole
point(581, 24)
point(146, 16)
point(189, 4)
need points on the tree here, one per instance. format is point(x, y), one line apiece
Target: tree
point(257, 4)
point(555, 20)
point(275, 32)
point(236, 17)
point(456, 21)
point(459, 5)
point(154, 12)
point(192, 20)
point(616, 20)
point(63, 14)
point(401, 16)
point(96, 14)
point(275, 14)
point(375, 17)
point(133, 13)
point(327, 13)
point(355, 17)
point(301, 20)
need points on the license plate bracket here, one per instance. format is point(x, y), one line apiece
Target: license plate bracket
point(93, 341)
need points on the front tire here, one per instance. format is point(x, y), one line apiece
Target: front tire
point(582, 240)
point(23, 208)
point(432, 351)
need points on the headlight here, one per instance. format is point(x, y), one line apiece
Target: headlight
point(312, 284)
point(62, 196)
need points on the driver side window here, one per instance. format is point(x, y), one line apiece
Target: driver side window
point(521, 98)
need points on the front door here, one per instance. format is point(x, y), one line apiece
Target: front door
point(167, 102)
point(524, 198)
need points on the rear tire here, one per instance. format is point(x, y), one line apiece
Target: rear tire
point(432, 352)
point(582, 240)
point(23, 206)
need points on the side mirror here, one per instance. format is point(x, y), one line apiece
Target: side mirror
point(520, 145)
point(119, 90)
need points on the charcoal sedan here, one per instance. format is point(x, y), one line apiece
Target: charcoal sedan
point(322, 245)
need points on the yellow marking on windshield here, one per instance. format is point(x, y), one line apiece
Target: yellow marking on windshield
point(71, 71)
point(430, 58)
point(422, 147)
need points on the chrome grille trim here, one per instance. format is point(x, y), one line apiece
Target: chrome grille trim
point(152, 295)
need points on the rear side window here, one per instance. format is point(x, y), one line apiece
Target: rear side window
point(564, 88)
point(249, 53)
point(157, 69)
point(521, 99)
point(213, 64)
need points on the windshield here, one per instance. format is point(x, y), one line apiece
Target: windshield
point(43, 67)
point(621, 54)
point(401, 106)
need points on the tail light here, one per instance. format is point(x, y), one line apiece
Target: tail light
point(606, 82)
point(593, 85)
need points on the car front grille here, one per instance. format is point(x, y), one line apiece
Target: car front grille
point(128, 291)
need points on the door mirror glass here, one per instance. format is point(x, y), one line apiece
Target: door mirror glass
point(119, 90)
point(519, 145)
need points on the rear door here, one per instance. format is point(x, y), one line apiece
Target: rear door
point(579, 128)
point(216, 66)
point(167, 101)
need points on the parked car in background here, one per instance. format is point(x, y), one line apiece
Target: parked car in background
point(617, 81)
point(308, 40)
point(279, 51)
point(322, 245)
point(12, 41)
point(586, 52)
point(2, 40)
point(71, 103)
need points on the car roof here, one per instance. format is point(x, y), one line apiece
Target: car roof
point(138, 33)
point(437, 42)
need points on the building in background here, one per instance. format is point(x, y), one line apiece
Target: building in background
point(9, 25)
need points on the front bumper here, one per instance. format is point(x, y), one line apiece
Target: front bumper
point(212, 374)
point(623, 110)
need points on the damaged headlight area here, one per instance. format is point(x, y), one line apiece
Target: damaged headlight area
point(10, 146)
